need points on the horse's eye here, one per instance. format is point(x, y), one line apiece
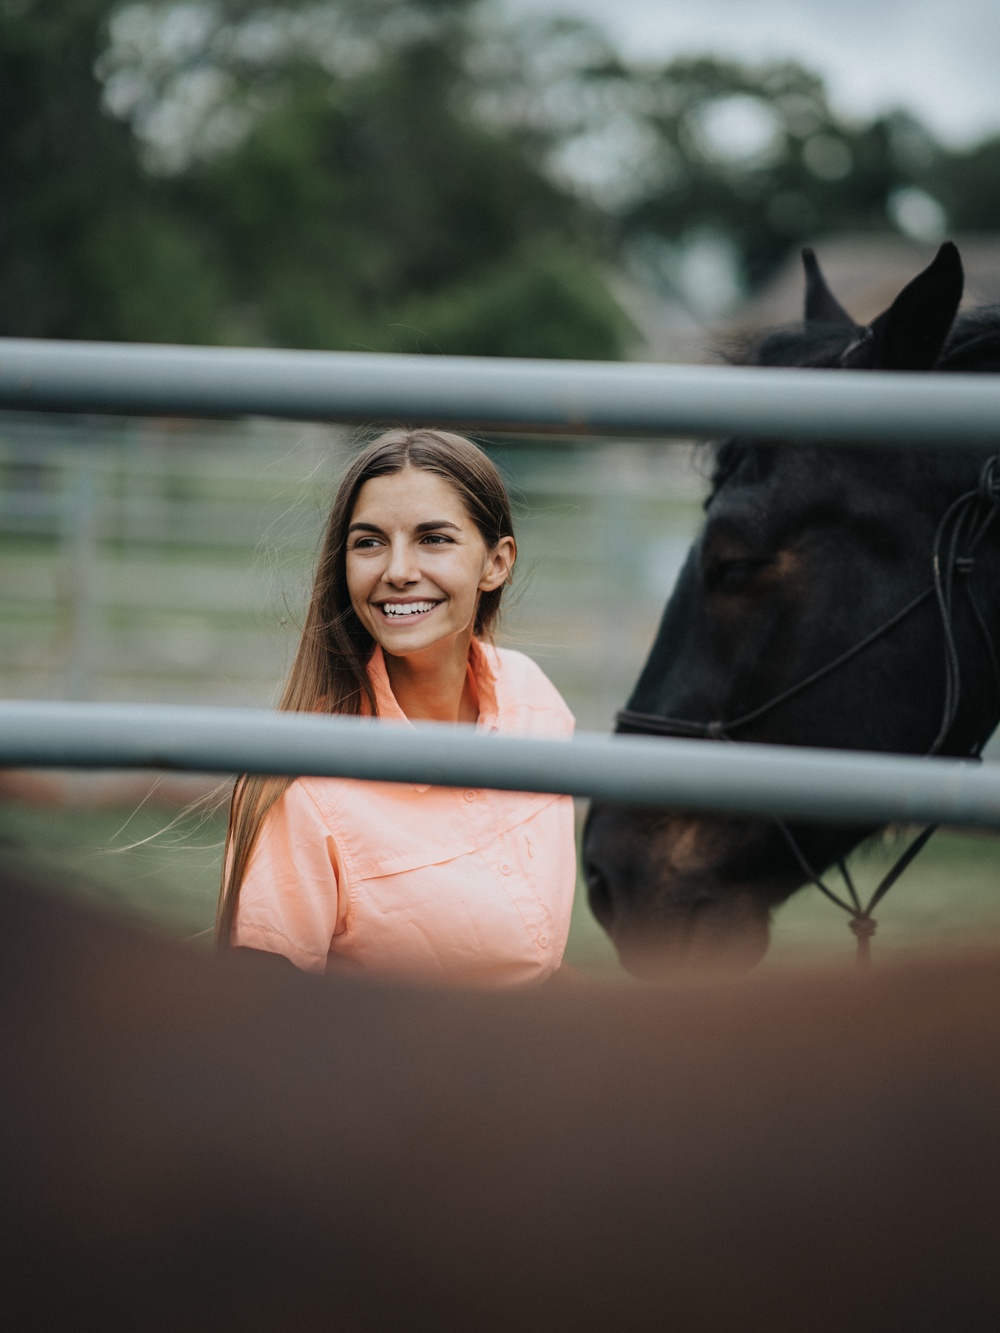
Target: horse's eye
point(735, 575)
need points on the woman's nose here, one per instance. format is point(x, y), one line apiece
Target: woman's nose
point(402, 567)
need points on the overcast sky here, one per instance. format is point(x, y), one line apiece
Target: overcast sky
point(940, 60)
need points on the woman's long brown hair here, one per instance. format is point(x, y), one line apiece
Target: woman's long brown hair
point(329, 673)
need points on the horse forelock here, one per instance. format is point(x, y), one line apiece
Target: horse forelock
point(973, 346)
point(805, 346)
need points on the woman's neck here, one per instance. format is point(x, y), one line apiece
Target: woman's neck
point(434, 688)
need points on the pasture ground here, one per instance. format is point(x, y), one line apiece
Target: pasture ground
point(950, 897)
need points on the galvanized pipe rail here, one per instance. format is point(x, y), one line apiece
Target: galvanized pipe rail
point(693, 775)
point(573, 398)
point(506, 395)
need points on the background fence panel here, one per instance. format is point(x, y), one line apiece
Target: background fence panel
point(168, 560)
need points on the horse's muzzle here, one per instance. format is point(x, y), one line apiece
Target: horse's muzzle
point(657, 890)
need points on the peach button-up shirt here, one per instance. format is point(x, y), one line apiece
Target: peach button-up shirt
point(466, 887)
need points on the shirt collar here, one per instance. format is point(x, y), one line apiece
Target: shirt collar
point(388, 709)
point(482, 667)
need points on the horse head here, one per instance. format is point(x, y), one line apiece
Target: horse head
point(806, 552)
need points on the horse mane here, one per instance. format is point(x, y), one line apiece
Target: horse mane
point(973, 345)
point(974, 342)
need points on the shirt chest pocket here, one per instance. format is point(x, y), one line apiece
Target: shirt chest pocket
point(392, 830)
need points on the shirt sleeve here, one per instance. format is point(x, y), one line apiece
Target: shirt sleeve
point(291, 897)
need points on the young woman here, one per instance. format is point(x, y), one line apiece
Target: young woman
point(418, 882)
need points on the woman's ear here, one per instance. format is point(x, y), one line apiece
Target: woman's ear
point(499, 563)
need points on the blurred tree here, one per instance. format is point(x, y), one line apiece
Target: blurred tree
point(710, 171)
point(968, 185)
point(540, 300)
point(756, 159)
point(88, 246)
point(378, 210)
point(311, 174)
point(414, 174)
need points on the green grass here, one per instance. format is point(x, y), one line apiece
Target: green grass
point(169, 883)
point(949, 898)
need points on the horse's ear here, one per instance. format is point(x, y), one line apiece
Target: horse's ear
point(912, 332)
point(822, 307)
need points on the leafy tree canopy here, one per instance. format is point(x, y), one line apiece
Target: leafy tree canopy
point(310, 175)
point(413, 174)
point(754, 157)
point(88, 245)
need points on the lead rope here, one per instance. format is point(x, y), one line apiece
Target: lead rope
point(987, 495)
point(861, 924)
point(962, 514)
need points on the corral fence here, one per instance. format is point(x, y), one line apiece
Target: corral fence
point(168, 560)
point(508, 396)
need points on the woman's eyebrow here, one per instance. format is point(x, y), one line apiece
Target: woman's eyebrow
point(433, 526)
point(436, 523)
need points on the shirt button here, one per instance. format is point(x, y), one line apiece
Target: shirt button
point(543, 941)
point(504, 868)
point(470, 795)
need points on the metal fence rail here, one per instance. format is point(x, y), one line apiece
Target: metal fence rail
point(560, 397)
point(564, 397)
point(692, 775)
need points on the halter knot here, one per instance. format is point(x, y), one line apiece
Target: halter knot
point(864, 927)
point(714, 731)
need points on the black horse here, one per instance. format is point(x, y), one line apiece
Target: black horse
point(807, 614)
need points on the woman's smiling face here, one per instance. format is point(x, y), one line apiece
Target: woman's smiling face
point(417, 564)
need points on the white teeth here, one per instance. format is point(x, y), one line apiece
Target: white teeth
point(397, 609)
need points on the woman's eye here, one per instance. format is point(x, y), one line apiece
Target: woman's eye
point(435, 539)
point(365, 544)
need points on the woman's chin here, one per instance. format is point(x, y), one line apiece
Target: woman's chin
point(430, 632)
